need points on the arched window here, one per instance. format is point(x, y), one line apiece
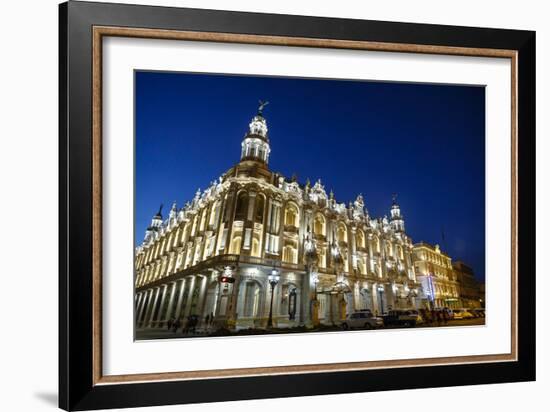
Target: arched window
point(342, 233)
point(255, 247)
point(319, 225)
point(289, 254)
point(400, 252)
point(322, 258)
point(214, 213)
point(203, 218)
point(236, 245)
point(291, 215)
point(242, 205)
point(360, 239)
point(362, 266)
point(389, 249)
point(259, 215)
point(376, 244)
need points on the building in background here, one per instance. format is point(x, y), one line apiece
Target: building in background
point(471, 294)
point(434, 271)
point(256, 246)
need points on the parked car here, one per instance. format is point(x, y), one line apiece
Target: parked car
point(362, 320)
point(467, 314)
point(478, 312)
point(400, 318)
point(419, 318)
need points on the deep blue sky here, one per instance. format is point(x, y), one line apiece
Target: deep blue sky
point(424, 142)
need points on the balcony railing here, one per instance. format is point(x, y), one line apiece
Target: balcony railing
point(291, 229)
point(218, 262)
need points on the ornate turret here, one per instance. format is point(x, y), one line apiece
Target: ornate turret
point(155, 226)
point(255, 145)
point(173, 211)
point(397, 222)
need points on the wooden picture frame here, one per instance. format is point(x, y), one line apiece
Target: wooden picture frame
point(82, 385)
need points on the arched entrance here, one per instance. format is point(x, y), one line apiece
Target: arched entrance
point(250, 303)
point(211, 299)
point(335, 303)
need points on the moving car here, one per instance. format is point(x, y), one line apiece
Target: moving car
point(362, 320)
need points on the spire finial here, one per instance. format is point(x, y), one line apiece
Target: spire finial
point(261, 105)
point(394, 198)
point(159, 213)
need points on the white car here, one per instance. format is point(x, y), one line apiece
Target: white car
point(362, 320)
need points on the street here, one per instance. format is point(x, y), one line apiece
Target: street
point(164, 333)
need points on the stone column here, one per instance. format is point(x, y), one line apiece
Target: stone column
point(383, 258)
point(374, 300)
point(160, 315)
point(202, 297)
point(153, 302)
point(137, 301)
point(180, 297)
point(267, 224)
point(306, 298)
point(231, 205)
point(218, 230)
point(353, 254)
point(143, 305)
point(147, 307)
point(370, 263)
point(187, 310)
point(170, 309)
point(231, 309)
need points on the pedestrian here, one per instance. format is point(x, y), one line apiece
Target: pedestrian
point(445, 317)
point(207, 320)
point(169, 323)
point(176, 325)
point(211, 317)
point(185, 329)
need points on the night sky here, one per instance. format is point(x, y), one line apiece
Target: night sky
point(424, 142)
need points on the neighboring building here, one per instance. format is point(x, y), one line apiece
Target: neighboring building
point(482, 294)
point(214, 255)
point(434, 271)
point(470, 289)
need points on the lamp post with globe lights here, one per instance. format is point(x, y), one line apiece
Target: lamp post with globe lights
point(273, 279)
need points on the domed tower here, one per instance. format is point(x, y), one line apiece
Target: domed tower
point(397, 222)
point(255, 145)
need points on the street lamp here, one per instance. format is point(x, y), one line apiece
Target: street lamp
point(315, 278)
point(273, 279)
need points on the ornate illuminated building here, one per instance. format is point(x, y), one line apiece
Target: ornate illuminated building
point(434, 271)
point(214, 256)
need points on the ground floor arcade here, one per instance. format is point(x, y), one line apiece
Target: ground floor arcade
point(299, 298)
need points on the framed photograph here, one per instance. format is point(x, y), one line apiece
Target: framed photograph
point(257, 206)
